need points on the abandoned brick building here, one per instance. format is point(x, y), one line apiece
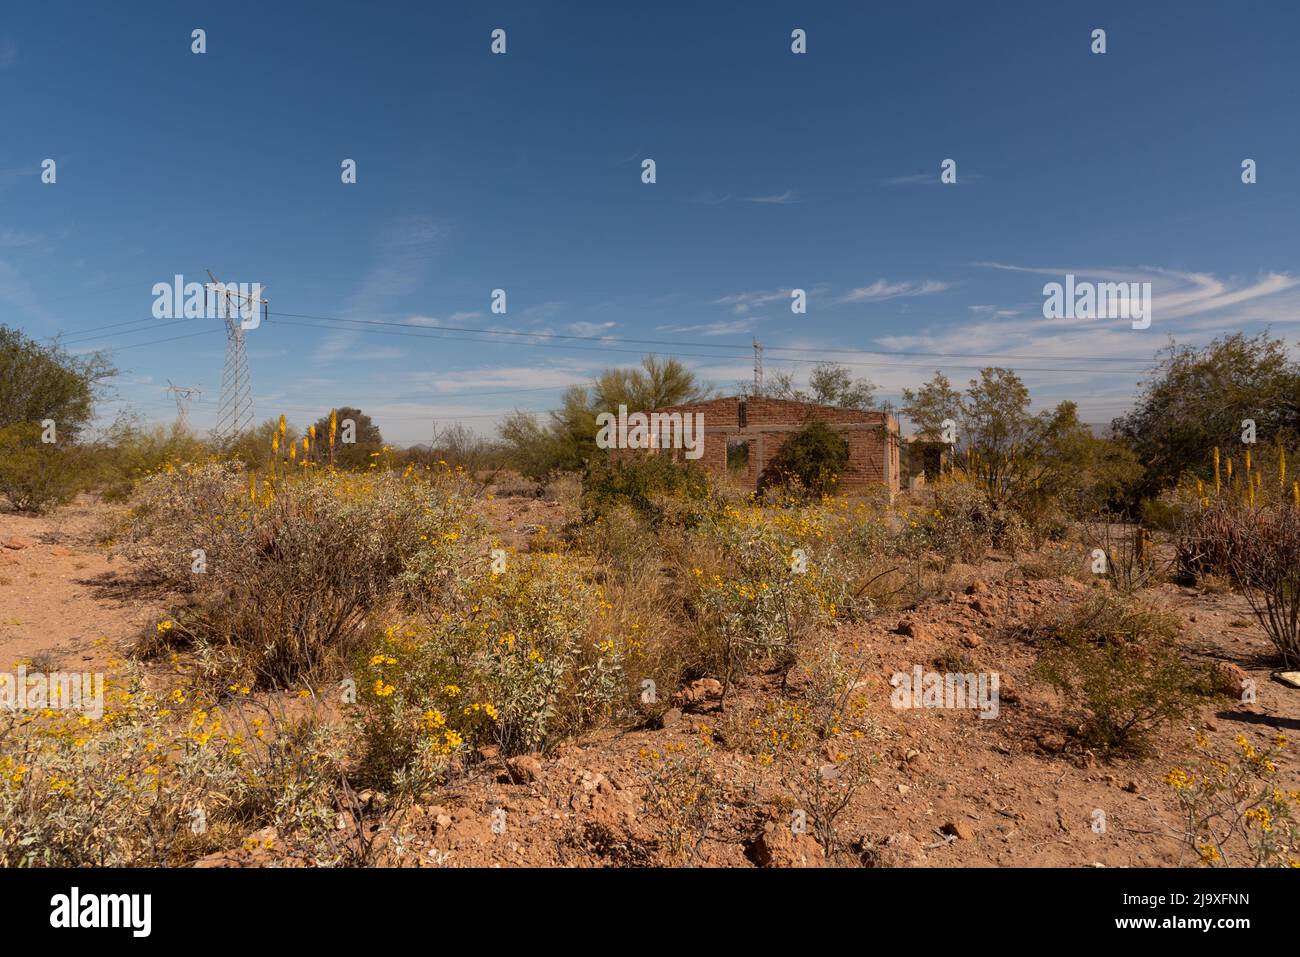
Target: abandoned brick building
point(742, 434)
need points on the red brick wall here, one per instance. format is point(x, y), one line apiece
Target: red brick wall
point(871, 456)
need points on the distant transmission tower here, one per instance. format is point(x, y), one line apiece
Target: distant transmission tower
point(183, 395)
point(758, 367)
point(235, 410)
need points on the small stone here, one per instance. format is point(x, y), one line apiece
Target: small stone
point(525, 767)
point(779, 846)
point(959, 829)
point(671, 718)
point(1229, 679)
point(913, 629)
point(699, 690)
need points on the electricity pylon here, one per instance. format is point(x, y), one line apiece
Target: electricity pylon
point(235, 409)
point(183, 395)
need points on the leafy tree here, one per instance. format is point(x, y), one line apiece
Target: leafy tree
point(1195, 399)
point(39, 382)
point(1034, 463)
point(833, 384)
point(929, 405)
point(570, 438)
point(530, 448)
point(828, 384)
point(354, 455)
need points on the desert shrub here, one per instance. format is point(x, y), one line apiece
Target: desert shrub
point(563, 487)
point(1208, 538)
point(34, 475)
point(1055, 560)
point(810, 462)
point(684, 797)
point(961, 523)
point(1117, 660)
point(647, 483)
point(621, 542)
point(518, 660)
point(1232, 802)
point(768, 588)
point(159, 780)
point(1129, 553)
point(1264, 561)
point(291, 569)
point(1258, 550)
point(1170, 510)
point(131, 451)
point(821, 742)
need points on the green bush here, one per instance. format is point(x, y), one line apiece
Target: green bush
point(34, 476)
point(1118, 660)
point(517, 660)
point(133, 451)
point(646, 483)
point(811, 461)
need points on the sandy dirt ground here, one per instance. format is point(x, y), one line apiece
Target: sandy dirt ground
point(948, 789)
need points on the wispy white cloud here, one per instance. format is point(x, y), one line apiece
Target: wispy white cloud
point(780, 199)
point(771, 199)
point(500, 377)
point(1001, 313)
point(378, 354)
point(588, 328)
point(927, 179)
point(742, 303)
point(883, 289)
point(714, 328)
point(1177, 294)
point(404, 252)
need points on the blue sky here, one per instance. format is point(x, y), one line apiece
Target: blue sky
point(523, 172)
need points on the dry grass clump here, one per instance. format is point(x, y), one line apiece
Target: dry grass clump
point(284, 574)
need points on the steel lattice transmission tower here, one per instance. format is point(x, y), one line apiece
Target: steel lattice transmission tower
point(183, 395)
point(758, 367)
point(235, 409)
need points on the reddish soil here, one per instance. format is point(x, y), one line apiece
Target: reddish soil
point(1012, 790)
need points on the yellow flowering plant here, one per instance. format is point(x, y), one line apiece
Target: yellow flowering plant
point(1234, 811)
